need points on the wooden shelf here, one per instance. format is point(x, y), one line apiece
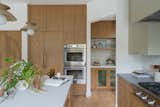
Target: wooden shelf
point(104, 49)
point(106, 37)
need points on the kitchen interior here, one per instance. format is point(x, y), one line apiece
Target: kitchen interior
point(124, 53)
point(141, 86)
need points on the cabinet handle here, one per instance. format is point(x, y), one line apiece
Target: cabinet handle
point(43, 58)
point(44, 61)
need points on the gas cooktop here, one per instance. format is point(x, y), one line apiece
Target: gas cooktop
point(153, 87)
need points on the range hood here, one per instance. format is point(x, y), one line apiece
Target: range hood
point(155, 17)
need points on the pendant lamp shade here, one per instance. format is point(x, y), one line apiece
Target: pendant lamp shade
point(30, 28)
point(5, 15)
point(3, 19)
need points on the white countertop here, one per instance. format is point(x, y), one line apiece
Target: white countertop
point(51, 97)
point(103, 66)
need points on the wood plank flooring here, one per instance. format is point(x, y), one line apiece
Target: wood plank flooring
point(98, 99)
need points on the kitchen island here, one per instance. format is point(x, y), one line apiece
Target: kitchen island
point(50, 97)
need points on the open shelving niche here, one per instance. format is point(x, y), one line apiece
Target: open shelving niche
point(101, 50)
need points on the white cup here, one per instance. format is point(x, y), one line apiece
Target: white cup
point(58, 74)
point(157, 76)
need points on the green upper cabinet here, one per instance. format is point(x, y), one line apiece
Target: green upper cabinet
point(143, 36)
point(140, 9)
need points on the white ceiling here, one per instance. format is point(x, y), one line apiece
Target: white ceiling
point(48, 1)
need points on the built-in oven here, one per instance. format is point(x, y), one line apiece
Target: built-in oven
point(74, 55)
point(79, 74)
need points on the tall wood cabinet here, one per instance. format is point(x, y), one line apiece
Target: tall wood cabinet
point(10, 46)
point(54, 18)
point(46, 50)
point(36, 49)
point(69, 19)
point(57, 25)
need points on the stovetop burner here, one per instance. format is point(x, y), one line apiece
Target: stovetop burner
point(153, 87)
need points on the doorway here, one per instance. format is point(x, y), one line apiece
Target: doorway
point(103, 60)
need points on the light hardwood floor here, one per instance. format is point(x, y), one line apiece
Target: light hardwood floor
point(98, 99)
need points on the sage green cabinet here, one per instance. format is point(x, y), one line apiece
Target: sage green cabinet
point(143, 36)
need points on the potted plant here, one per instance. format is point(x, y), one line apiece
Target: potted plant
point(20, 73)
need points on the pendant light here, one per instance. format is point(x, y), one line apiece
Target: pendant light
point(3, 19)
point(5, 15)
point(30, 28)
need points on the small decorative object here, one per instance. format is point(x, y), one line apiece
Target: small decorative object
point(58, 75)
point(100, 44)
point(51, 73)
point(110, 61)
point(1, 91)
point(37, 82)
point(96, 63)
point(94, 45)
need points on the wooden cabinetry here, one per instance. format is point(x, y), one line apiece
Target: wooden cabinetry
point(80, 24)
point(69, 99)
point(126, 95)
point(75, 24)
point(37, 14)
point(69, 19)
point(53, 51)
point(54, 18)
point(36, 48)
point(69, 24)
point(10, 46)
point(102, 78)
point(46, 50)
point(79, 89)
point(103, 29)
point(57, 25)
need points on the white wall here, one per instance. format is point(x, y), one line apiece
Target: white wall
point(20, 11)
point(100, 9)
point(125, 63)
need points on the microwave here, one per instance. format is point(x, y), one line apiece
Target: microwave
point(74, 55)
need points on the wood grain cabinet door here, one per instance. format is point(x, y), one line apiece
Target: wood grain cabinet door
point(37, 14)
point(36, 49)
point(68, 19)
point(136, 102)
point(80, 23)
point(54, 51)
point(54, 17)
point(103, 29)
point(10, 46)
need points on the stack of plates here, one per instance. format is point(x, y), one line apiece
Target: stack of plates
point(140, 74)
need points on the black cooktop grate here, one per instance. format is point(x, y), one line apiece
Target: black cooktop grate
point(153, 87)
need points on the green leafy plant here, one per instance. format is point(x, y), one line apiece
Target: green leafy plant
point(20, 70)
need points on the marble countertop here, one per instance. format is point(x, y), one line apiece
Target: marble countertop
point(134, 81)
point(50, 97)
